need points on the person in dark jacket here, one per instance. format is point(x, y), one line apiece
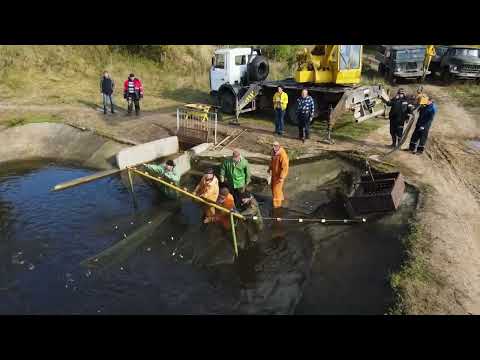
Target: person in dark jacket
point(253, 224)
point(420, 135)
point(305, 110)
point(133, 92)
point(107, 87)
point(399, 111)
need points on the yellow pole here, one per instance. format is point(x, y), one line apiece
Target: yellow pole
point(234, 236)
point(192, 196)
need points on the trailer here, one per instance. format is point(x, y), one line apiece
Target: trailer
point(238, 81)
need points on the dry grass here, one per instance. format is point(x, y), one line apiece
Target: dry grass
point(54, 74)
point(467, 94)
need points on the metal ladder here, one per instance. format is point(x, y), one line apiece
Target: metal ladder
point(249, 97)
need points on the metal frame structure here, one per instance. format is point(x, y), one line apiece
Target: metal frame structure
point(197, 123)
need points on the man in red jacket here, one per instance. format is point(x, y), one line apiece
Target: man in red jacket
point(133, 92)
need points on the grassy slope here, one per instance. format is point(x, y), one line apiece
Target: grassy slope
point(70, 74)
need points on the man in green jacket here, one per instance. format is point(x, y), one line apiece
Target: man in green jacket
point(235, 172)
point(168, 173)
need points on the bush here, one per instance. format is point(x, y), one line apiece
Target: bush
point(282, 53)
point(152, 52)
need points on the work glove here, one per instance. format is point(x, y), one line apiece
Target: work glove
point(125, 95)
point(141, 96)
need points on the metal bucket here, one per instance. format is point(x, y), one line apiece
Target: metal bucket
point(383, 193)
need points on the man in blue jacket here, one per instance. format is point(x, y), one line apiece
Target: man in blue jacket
point(425, 118)
point(305, 112)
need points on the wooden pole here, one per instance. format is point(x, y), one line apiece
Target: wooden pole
point(86, 179)
point(236, 137)
point(186, 193)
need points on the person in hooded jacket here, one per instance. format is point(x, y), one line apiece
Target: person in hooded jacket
point(133, 92)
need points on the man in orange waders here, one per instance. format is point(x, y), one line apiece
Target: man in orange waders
point(279, 171)
point(208, 190)
point(225, 199)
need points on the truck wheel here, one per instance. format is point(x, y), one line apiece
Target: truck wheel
point(227, 102)
point(258, 69)
point(381, 69)
point(391, 78)
point(446, 77)
point(291, 114)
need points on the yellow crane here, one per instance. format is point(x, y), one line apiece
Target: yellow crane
point(330, 64)
point(429, 54)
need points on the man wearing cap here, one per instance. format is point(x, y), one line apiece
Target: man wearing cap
point(280, 102)
point(279, 170)
point(235, 171)
point(208, 189)
point(133, 92)
point(399, 111)
point(426, 112)
point(168, 172)
point(253, 224)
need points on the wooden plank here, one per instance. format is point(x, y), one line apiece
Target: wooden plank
point(86, 179)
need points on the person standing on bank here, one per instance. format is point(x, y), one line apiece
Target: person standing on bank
point(427, 112)
point(305, 110)
point(397, 115)
point(235, 171)
point(133, 92)
point(280, 102)
point(107, 86)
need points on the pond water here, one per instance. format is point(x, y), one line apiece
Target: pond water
point(45, 238)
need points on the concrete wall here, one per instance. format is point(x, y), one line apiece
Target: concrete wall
point(58, 141)
point(65, 143)
point(147, 152)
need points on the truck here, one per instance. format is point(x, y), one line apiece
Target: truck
point(401, 62)
point(456, 62)
point(330, 73)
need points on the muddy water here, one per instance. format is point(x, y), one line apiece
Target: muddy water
point(44, 236)
point(295, 268)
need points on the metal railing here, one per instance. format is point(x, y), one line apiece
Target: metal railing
point(197, 124)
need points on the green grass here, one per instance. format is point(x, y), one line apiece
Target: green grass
point(467, 94)
point(31, 119)
point(347, 129)
point(416, 285)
